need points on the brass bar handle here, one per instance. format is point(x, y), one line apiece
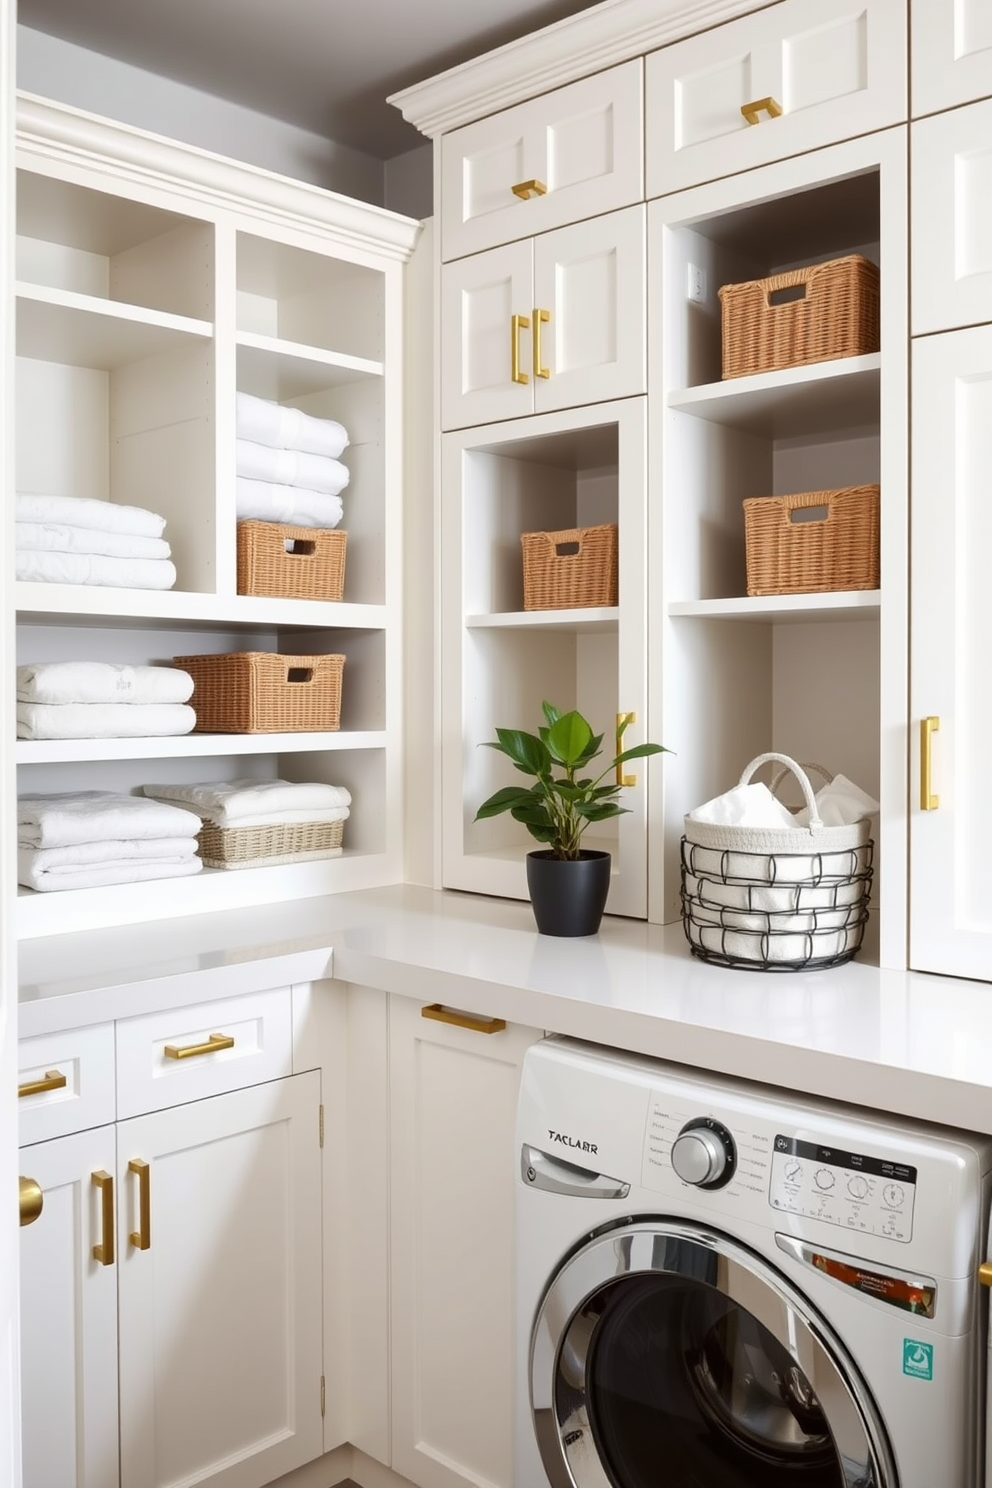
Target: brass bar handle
point(53, 1080)
point(32, 1200)
point(104, 1184)
point(141, 1238)
point(623, 719)
point(539, 316)
point(442, 1014)
point(985, 1273)
point(526, 189)
point(753, 111)
point(192, 1051)
point(928, 727)
point(518, 323)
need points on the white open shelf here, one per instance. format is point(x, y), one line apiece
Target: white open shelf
point(190, 746)
point(795, 400)
point(83, 605)
point(801, 608)
point(273, 368)
point(599, 621)
point(81, 330)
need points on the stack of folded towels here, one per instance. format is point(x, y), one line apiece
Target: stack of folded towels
point(259, 823)
point(73, 540)
point(287, 465)
point(89, 839)
point(97, 700)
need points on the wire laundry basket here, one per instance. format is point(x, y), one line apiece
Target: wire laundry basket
point(776, 899)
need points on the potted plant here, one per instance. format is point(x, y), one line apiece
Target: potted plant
point(568, 883)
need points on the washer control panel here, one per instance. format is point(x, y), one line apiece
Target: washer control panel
point(868, 1195)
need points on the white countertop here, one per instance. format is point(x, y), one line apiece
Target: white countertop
point(908, 1042)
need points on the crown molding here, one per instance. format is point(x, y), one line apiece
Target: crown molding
point(129, 157)
point(611, 32)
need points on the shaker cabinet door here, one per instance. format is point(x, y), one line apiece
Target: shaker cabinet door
point(486, 304)
point(951, 226)
point(951, 52)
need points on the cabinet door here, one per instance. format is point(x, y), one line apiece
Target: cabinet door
point(952, 53)
point(807, 78)
point(453, 1108)
point(481, 343)
point(589, 280)
point(950, 867)
point(220, 1288)
point(583, 144)
point(69, 1317)
point(952, 219)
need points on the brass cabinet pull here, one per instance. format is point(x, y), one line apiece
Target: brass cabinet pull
point(442, 1014)
point(539, 316)
point(518, 323)
point(32, 1200)
point(104, 1251)
point(985, 1273)
point(526, 189)
point(53, 1080)
point(623, 719)
point(190, 1051)
point(928, 727)
point(141, 1238)
point(753, 111)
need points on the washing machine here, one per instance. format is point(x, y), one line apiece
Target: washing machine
point(721, 1286)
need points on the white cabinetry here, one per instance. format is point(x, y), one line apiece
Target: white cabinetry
point(154, 282)
point(952, 53)
point(544, 324)
point(572, 153)
point(951, 879)
point(453, 1107)
point(792, 78)
point(952, 218)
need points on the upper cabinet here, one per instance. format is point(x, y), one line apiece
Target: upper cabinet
point(952, 53)
point(789, 79)
point(567, 155)
point(952, 218)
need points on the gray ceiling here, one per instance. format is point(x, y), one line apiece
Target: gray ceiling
point(326, 65)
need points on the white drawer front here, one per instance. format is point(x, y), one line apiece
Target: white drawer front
point(582, 143)
point(73, 1078)
point(952, 53)
point(832, 73)
point(165, 1059)
point(952, 219)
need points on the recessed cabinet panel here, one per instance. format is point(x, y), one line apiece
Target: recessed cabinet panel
point(952, 53)
point(573, 153)
point(952, 219)
point(773, 84)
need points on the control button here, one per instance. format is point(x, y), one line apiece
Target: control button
point(793, 1172)
point(857, 1187)
point(894, 1195)
point(704, 1154)
point(824, 1179)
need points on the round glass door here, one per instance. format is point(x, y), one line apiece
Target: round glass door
point(664, 1353)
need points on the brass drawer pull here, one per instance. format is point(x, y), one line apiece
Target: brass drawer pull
point(623, 719)
point(985, 1273)
point(53, 1080)
point(928, 727)
point(104, 1251)
point(141, 1238)
point(540, 316)
point(753, 111)
point(191, 1051)
point(526, 189)
point(32, 1200)
point(442, 1014)
point(518, 323)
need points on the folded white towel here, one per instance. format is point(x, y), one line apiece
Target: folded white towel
point(274, 860)
point(101, 682)
point(133, 849)
point(290, 467)
point(35, 874)
point(91, 568)
point(288, 428)
point(313, 816)
point(103, 720)
point(65, 818)
point(59, 537)
point(228, 803)
point(266, 501)
point(81, 511)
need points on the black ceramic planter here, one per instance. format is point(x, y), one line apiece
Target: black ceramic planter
point(568, 895)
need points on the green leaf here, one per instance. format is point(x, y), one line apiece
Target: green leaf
point(551, 713)
point(640, 751)
point(542, 834)
point(568, 738)
point(527, 752)
point(503, 800)
point(591, 750)
point(595, 811)
point(531, 814)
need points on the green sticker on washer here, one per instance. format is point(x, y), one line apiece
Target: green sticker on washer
point(917, 1359)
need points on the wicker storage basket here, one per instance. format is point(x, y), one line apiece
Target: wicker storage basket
point(572, 569)
point(236, 847)
point(838, 550)
point(836, 315)
point(290, 562)
point(261, 692)
point(776, 899)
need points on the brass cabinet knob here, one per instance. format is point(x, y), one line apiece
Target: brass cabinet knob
point(32, 1200)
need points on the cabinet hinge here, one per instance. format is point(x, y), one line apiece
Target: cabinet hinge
point(323, 1394)
point(321, 1124)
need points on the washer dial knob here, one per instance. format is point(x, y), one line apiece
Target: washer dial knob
point(703, 1154)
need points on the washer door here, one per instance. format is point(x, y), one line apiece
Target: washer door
point(666, 1352)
